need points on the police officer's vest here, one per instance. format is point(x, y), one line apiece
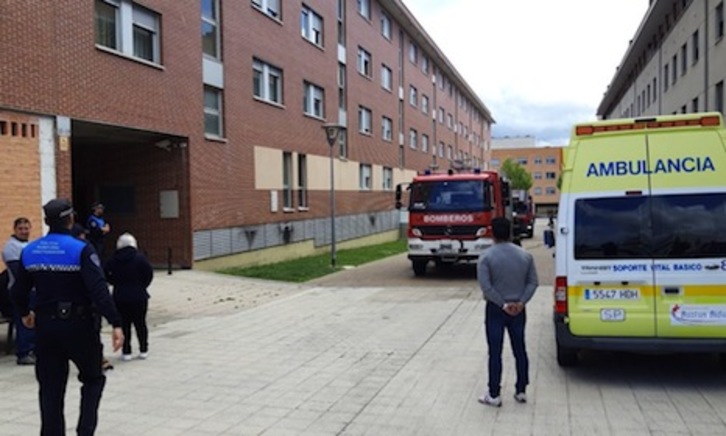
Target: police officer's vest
point(95, 223)
point(54, 252)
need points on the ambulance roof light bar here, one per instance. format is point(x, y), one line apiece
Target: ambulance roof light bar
point(648, 123)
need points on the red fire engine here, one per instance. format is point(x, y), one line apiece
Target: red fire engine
point(450, 214)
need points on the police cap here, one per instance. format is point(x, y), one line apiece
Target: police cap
point(57, 209)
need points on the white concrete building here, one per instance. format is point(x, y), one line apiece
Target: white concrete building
point(676, 63)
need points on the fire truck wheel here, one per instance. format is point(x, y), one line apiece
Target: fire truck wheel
point(419, 267)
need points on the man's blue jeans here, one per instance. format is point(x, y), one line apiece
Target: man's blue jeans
point(24, 337)
point(497, 320)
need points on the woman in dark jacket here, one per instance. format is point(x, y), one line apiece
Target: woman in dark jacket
point(130, 273)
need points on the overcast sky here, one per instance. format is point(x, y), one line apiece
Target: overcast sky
point(539, 66)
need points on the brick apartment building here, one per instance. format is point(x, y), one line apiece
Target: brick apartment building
point(543, 163)
point(210, 145)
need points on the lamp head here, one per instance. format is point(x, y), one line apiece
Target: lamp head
point(332, 132)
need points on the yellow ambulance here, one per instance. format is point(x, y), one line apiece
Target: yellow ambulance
point(641, 237)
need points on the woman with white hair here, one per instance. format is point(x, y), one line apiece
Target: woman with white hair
point(130, 273)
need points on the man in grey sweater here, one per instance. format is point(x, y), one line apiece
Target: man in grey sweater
point(508, 279)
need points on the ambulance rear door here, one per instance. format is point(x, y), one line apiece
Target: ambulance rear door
point(688, 210)
point(609, 270)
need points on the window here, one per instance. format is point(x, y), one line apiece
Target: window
point(450, 152)
point(538, 160)
point(424, 64)
point(522, 160)
point(364, 8)
point(364, 120)
point(450, 121)
point(683, 109)
point(364, 62)
point(694, 105)
point(140, 28)
point(210, 29)
point(550, 190)
point(647, 100)
point(213, 112)
point(441, 115)
point(551, 160)
point(424, 143)
point(311, 25)
point(662, 226)
point(343, 145)
point(655, 89)
point(494, 163)
point(694, 47)
point(413, 96)
point(719, 97)
point(537, 175)
point(537, 191)
point(387, 179)
point(268, 7)
point(385, 26)
point(424, 104)
point(413, 52)
point(386, 129)
point(364, 172)
point(719, 21)
point(675, 70)
point(302, 181)
point(665, 78)
point(684, 59)
point(287, 180)
point(550, 175)
point(267, 82)
point(314, 101)
point(413, 138)
point(386, 77)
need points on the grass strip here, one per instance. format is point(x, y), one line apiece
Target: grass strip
point(311, 267)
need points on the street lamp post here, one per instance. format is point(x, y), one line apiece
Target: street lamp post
point(332, 134)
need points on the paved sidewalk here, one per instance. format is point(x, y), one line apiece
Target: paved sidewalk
point(232, 356)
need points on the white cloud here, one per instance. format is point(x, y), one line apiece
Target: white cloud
point(555, 57)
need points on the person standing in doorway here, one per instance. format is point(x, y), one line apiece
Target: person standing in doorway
point(130, 273)
point(97, 227)
point(24, 337)
point(508, 279)
point(70, 286)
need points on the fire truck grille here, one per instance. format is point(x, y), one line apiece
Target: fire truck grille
point(449, 230)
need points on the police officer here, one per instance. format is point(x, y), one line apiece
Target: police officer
point(69, 282)
point(97, 228)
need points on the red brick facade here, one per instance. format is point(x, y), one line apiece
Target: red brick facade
point(50, 65)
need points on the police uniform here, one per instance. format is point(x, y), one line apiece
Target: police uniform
point(69, 285)
point(95, 225)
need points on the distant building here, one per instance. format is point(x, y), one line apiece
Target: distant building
point(514, 142)
point(545, 166)
point(676, 63)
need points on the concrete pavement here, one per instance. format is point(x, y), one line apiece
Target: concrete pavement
point(232, 356)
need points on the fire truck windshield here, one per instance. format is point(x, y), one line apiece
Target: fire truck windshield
point(449, 196)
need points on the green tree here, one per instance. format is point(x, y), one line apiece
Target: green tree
point(519, 177)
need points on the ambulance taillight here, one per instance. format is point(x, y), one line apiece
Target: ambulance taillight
point(561, 295)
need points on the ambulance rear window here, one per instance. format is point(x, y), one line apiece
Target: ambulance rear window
point(662, 226)
point(611, 228)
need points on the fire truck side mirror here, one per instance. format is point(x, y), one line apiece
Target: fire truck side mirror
point(398, 197)
point(506, 194)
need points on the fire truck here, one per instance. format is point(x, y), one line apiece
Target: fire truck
point(450, 214)
point(522, 213)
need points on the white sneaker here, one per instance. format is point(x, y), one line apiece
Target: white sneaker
point(126, 357)
point(491, 401)
point(520, 397)
point(144, 355)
